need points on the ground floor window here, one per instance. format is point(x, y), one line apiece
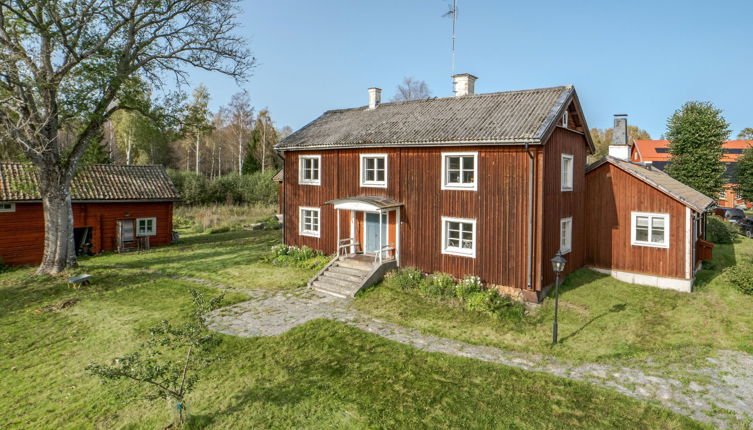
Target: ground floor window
point(566, 235)
point(459, 236)
point(309, 222)
point(146, 226)
point(649, 229)
point(7, 207)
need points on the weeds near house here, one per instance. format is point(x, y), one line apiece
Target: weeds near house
point(741, 276)
point(168, 362)
point(294, 256)
point(230, 217)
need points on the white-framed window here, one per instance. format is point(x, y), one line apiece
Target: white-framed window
point(649, 229)
point(566, 235)
point(723, 195)
point(146, 226)
point(7, 207)
point(460, 171)
point(567, 172)
point(459, 236)
point(309, 169)
point(565, 119)
point(308, 222)
point(374, 170)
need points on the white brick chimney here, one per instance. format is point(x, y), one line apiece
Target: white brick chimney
point(375, 97)
point(620, 147)
point(463, 84)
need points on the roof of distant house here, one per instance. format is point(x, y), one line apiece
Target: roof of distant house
point(658, 150)
point(663, 182)
point(99, 182)
point(512, 117)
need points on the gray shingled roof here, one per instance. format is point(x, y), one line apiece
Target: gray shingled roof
point(663, 182)
point(18, 182)
point(513, 117)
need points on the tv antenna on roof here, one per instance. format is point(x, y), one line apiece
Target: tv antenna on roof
point(453, 12)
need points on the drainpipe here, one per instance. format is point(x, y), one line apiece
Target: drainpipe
point(529, 280)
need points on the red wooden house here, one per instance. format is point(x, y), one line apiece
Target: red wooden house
point(114, 207)
point(489, 185)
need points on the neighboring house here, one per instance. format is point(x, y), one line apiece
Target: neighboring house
point(644, 227)
point(489, 185)
point(657, 153)
point(114, 206)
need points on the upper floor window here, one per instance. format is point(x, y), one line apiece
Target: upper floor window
point(459, 170)
point(310, 169)
point(567, 172)
point(7, 207)
point(459, 236)
point(146, 226)
point(309, 222)
point(649, 229)
point(565, 119)
point(374, 170)
point(566, 235)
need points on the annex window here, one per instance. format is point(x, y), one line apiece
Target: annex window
point(566, 235)
point(146, 226)
point(459, 236)
point(310, 169)
point(309, 222)
point(7, 207)
point(459, 170)
point(374, 170)
point(567, 172)
point(650, 230)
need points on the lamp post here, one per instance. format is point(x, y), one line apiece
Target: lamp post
point(558, 265)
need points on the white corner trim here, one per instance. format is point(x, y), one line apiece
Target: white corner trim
point(466, 187)
point(462, 252)
point(302, 181)
point(373, 184)
point(688, 243)
point(682, 285)
point(309, 233)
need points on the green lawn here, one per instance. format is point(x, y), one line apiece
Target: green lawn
point(601, 319)
point(320, 375)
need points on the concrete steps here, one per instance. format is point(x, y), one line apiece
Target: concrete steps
point(344, 277)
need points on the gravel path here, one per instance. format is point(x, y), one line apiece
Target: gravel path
point(724, 398)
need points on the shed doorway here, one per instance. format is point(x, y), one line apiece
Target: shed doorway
point(82, 238)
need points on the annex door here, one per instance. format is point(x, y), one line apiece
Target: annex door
point(371, 232)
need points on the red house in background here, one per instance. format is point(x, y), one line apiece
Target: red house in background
point(114, 207)
point(657, 153)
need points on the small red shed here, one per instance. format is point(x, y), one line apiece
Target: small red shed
point(113, 205)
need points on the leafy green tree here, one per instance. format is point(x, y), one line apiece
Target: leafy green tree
point(696, 133)
point(169, 361)
point(263, 140)
point(744, 175)
point(602, 138)
point(69, 61)
point(197, 123)
point(746, 134)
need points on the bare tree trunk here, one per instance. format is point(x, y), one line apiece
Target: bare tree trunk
point(211, 165)
point(129, 147)
point(263, 146)
point(59, 249)
point(198, 142)
point(240, 153)
point(219, 161)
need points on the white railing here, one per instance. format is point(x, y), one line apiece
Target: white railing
point(345, 244)
point(390, 247)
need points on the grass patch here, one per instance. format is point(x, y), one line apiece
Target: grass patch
point(217, 217)
point(601, 319)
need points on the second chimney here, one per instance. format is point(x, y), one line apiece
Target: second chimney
point(375, 97)
point(620, 148)
point(463, 84)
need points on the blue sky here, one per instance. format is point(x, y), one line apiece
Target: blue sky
point(643, 58)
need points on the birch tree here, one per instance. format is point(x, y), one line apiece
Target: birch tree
point(241, 117)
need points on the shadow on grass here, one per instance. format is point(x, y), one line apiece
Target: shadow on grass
point(614, 309)
point(725, 255)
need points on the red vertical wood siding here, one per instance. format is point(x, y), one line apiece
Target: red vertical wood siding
point(22, 231)
point(613, 195)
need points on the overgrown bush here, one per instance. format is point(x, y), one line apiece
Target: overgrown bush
point(253, 188)
point(202, 218)
point(468, 286)
point(405, 279)
point(438, 285)
point(303, 257)
point(741, 276)
point(720, 231)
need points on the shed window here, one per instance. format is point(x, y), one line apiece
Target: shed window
point(567, 172)
point(459, 170)
point(309, 222)
point(650, 229)
point(146, 226)
point(310, 166)
point(374, 170)
point(7, 207)
point(566, 235)
point(459, 236)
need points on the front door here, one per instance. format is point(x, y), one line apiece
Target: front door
point(371, 233)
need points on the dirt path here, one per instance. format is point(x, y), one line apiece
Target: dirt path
point(724, 398)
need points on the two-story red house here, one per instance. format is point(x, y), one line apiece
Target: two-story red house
point(490, 185)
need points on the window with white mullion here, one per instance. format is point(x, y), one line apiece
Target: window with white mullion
point(650, 230)
point(374, 170)
point(459, 236)
point(309, 222)
point(459, 170)
point(567, 172)
point(566, 235)
point(310, 166)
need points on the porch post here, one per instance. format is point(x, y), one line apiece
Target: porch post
point(380, 237)
point(337, 245)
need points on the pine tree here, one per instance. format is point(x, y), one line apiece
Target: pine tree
point(696, 133)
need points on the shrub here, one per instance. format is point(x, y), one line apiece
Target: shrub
point(254, 188)
point(741, 276)
point(405, 279)
point(303, 257)
point(468, 286)
point(438, 285)
point(720, 231)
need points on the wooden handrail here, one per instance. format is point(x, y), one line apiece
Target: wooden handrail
point(345, 244)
